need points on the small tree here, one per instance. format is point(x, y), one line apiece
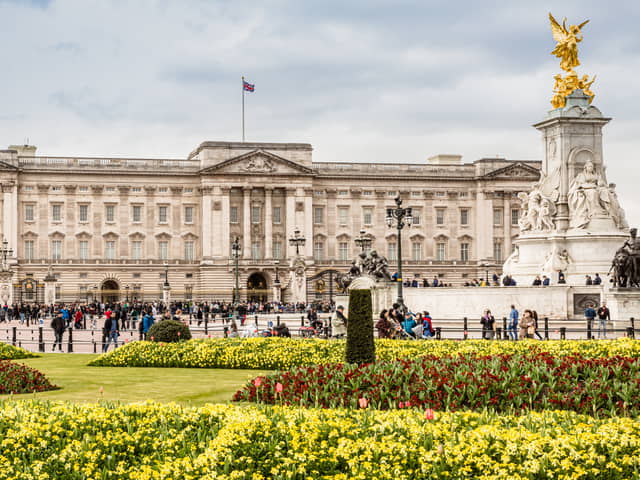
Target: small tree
point(360, 346)
point(169, 331)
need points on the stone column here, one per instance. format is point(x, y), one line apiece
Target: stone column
point(308, 223)
point(50, 289)
point(506, 251)
point(225, 237)
point(208, 236)
point(9, 215)
point(246, 218)
point(268, 223)
point(291, 220)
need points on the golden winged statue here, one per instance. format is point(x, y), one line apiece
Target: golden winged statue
point(568, 38)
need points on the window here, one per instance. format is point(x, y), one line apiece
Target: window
point(464, 216)
point(28, 213)
point(277, 249)
point(188, 190)
point(367, 216)
point(83, 189)
point(189, 250)
point(343, 193)
point(163, 250)
point(318, 250)
point(392, 251)
point(318, 215)
point(110, 189)
point(415, 217)
point(56, 249)
point(441, 251)
point(497, 251)
point(440, 216)
point(343, 215)
point(136, 189)
point(188, 292)
point(110, 250)
point(162, 213)
point(56, 213)
point(163, 189)
point(188, 214)
point(464, 251)
point(416, 194)
point(497, 217)
point(28, 188)
point(29, 249)
point(416, 251)
point(392, 194)
point(343, 251)
point(515, 216)
point(277, 215)
point(84, 275)
point(255, 215)
point(136, 250)
point(255, 251)
point(83, 213)
point(57, 188)
point(84, 249)
point(110, 213)
point(463, 194)
point(233, 215)
point(367, 193)
point(136, 213)
point(440, 194)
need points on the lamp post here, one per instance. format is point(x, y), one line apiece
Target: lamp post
point(235, 253)
point(166, 274)
point(276, 283)
point(6, 252)
point(297, 240)
point(95, 293)
point(126, 289)
point(363, 241)
point(399, 217)
point(486, 271)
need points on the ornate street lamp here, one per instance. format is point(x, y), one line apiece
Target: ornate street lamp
point(297, 240)
point(236, 250)
point(166, 274)
point(126, 289)
point(277, 280)
point(363, 241)
point(399, 217)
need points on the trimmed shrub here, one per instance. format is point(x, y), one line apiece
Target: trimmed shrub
point(169, 331)
point(18, 378)
point(9, 352)
point(360, 346)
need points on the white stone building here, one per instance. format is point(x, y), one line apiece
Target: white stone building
point(107, 226)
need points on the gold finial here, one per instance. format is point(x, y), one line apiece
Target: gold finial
point(567, 51)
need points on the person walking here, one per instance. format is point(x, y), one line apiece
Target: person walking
point(590, 316)
point(488, 325)
point(512, 328)
point(535, 323)
point(527, 325)
point(147, 322)
point(111, 333)
point(58, 325)
point(604, 316)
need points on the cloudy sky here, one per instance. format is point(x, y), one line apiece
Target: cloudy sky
point(367, 80)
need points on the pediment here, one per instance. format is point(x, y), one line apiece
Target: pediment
point(257, 162)
point(517, 170)
point(7, 166)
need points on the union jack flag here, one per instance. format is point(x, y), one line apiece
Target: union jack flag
point(248, 87)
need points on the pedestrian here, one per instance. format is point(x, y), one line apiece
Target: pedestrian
point(147, 322)
point(597, 280)
point(58, 325)
point(535, 322)
point(339, 323)
point(384, 325)
point(590, 315)
point(110, 332)
point(604, 316)
point(427, 326)
point(527, 325)
point(512, 328)
point(488, 325)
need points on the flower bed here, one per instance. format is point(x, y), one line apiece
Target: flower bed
point(502, 383)
point(150, 441)
point(9, 352)
point(285, 353)
point(18, 378)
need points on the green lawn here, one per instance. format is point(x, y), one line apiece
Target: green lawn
point(187, 386)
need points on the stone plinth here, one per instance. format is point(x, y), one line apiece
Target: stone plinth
point(624, 303)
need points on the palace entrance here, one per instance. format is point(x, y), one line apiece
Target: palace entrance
point(110, 292)
point(257, 288)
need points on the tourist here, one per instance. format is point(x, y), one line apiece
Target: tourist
point(384, 325)
point(427, 326)
point(536, 281)
point(590, 315)
point(58, 326)
point(597, 280)
point(546, 281)
point(512, 327)
point(527, 325)
point(110, 332)
point(408, 324)
point(535, 321)
point(147, 323)
point(339, 323)
point(604, 316)
point(561, 279)
point(588, 281)
point(488, 325)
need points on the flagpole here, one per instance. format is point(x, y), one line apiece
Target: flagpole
point(243, 109)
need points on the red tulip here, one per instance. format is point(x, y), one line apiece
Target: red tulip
point(429, 414)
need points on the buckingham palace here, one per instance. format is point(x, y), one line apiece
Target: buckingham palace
point(119, 229)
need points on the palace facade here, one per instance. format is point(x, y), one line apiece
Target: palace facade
point(112, 228)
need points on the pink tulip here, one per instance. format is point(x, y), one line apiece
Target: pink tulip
point(153, 338)
point(401, 405)
point(257, 381)
point(407, 404)
point(179, 333)
point(279, 387)
point(429, 414)
point(363, 402)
